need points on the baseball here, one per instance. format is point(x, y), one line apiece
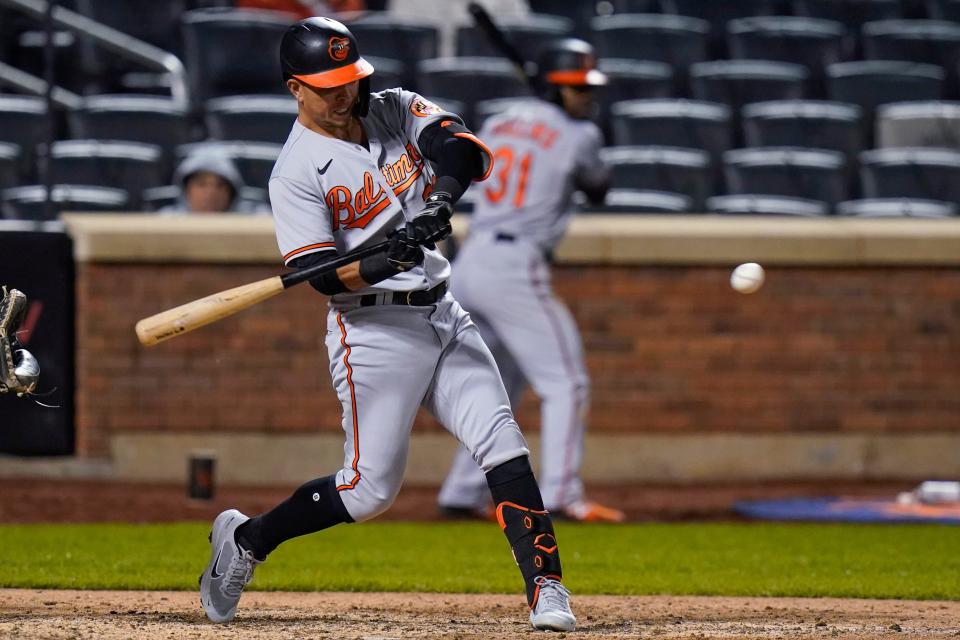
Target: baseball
point(747, 278)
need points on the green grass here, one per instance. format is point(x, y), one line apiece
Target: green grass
point(712, 559)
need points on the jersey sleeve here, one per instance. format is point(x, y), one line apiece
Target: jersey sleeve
point(417, 113)
point(588, 165)
point(301, 219)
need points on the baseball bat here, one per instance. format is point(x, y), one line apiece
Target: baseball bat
point(192, 315)
point(499, 40)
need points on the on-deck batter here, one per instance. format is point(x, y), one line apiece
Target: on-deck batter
point(544, 150)
point(353, 172)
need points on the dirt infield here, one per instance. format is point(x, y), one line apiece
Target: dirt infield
point(106, 615)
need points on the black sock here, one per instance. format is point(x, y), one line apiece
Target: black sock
point(313, 507)
point(513, 481)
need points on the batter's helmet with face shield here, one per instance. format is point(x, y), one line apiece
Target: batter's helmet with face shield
point(569, 61)
point(322, 53)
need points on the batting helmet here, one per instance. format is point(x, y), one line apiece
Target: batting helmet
point(323, 53)
point(567, 62)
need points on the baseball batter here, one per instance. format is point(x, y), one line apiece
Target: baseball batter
point(544, 150)
point(355, 171)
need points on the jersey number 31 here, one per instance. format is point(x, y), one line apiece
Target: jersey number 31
point(503, 161)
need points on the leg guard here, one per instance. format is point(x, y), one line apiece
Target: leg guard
point(530, 533)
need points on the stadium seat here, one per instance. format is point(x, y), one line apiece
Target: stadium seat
point(739, 82)
point(254, 160)
point(646, 201)
point(852, 13)
point(816, 174)
point(156, 198)
point(932, 174)
point(674, 123)
point(406, 40)
point(717, 13)
point(919, 124)
point(151, 119)
point(29, 202)
point(677, 40)
point(751, 204)
point(28, 55)
point(926, 41)
point(579, 13)
point(807, 123)
point(469, 80)
point(896, 208)
point(132, 166)
point(233, 52)
point(9, 165)
point(812, 42)
point(528, 33)
point(944, 10)
point(256, 117)
point(23, 121)
point(157, 23)
point(678, 170)
point(387, 74)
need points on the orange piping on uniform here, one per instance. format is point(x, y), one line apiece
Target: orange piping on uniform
point(403, 186)
point(319, 245)
point(503, 525)
point(353, 407)
point(483, 148)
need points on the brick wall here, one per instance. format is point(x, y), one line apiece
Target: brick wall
point(670, 349)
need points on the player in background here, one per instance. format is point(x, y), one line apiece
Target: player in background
point(544, 150)
point(354, 172)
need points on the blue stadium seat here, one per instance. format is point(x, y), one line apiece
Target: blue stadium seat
point(257, 117)
point(405, 40)
point(674, 123)
point(644, 201)
point(469, 80)
point(528, 33)
point(216, 41)
point(816, 174)
point(23, 122)
point(932, 174)
point(806, 123)
point(871, 83)
point(717, 13)
point(677, 40)
point(387, 74)
point(852, 13)
point(739, 82)
point(926, 41)
point(151, 119)
point(673, 169)
point(932, 123)
point(579, 13)
point(767, 205)
point(132, 166)
point(29, 202)
point(944, 9)
point(812, 42)
point(897, 208)
point(9, 165)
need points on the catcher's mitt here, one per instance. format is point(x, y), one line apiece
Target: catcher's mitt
point(19, 370)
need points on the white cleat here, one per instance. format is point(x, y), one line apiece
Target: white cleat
point(552, 609)
point(229, 571)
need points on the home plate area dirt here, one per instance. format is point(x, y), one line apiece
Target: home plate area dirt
point(105, 615)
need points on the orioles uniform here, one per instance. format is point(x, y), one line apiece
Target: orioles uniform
point(352, 174)
point(502, 277)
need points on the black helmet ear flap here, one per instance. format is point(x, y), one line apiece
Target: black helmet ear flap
point(363, 98)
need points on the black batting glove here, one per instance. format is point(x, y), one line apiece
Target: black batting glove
point(432, 224)
point(404, 253)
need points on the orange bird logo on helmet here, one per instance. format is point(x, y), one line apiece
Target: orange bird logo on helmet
point(339, 48)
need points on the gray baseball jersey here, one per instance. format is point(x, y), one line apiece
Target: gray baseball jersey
point(503, 280)
point(538, 149)
point(333, 194)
